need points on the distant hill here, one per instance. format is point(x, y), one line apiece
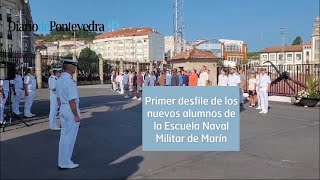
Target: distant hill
point(253, 55)
point(62, 35)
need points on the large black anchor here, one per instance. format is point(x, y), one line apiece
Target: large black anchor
point(285, 77)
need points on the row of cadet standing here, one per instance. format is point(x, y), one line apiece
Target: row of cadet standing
point(258, 86)
point(17, 86)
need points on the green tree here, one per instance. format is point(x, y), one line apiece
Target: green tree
point(245, 61)
point(88, 60)
point(253, 55)
point(297, 41)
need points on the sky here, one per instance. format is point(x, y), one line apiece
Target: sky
point(257, 22)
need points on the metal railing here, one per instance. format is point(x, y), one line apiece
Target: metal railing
point(22, 60)
point(297, 72)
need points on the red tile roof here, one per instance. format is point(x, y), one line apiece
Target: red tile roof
point(308, 43)
point(292, 48)
point(126, 32)
point(195, 54)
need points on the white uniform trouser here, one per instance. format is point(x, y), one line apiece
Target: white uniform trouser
point(1, 110)
point(28, 102)
point(258, 97)
point(53, 111)
point(241, 96)
point(121, 88)
point(16, 100)
point(264, 98)
point(4, 100)
point(68, 136)
point(114, 86)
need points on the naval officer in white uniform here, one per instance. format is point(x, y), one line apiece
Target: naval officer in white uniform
point(52, 82)
point(67, 94)
point(17, 88)
point(264, 89)
point(30, 86)
point(5, 89)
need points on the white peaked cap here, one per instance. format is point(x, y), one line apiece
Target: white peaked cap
point(70, 61)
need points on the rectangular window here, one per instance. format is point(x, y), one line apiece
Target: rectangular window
point(298, 57)
point(280, 57)
point(0, 12)
point(9, 15)
point(317, 45)
point(9, 35)
point(272, 57)
point(289, 57)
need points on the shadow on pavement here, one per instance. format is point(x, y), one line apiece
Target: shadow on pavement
point(42, 108)
point(103, 139)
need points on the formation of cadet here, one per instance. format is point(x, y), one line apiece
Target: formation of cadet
point(17, 86)
point(68, 99)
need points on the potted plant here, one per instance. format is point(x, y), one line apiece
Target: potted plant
point(310, 96)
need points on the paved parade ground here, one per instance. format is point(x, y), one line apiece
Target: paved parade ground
point(282, 144)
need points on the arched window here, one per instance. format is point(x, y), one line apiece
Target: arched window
point(232, 48)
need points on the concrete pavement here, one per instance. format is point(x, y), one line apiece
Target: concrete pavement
point(282, 144)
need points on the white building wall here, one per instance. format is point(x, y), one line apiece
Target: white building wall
point(289, 58)
point(273, 57)
point(70, 42)
point(169, 45)
point(315, 49)
point(14, 7)
point(298, 57)
point(264, 57)
point(132, 48)
point(156, 47)
point(307, 54)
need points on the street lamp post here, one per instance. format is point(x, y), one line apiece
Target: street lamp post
point(283, 33)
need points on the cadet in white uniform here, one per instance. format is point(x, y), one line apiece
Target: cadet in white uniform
point(30, 92)
point(56, 73)
point(264, 89)
point(5, 88)
point(67, 93)
point(17, 92)
point(258, 88)
point(234, 80)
